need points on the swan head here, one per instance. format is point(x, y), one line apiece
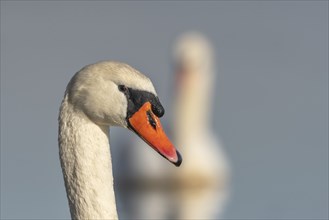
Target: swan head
point(115, 94)
point(193, 57)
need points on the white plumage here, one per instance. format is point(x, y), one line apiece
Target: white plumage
point(91, 104)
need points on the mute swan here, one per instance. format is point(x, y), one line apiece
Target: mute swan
point(98, 96)
point(193, 111)
point(205, 173)
point(200, 187)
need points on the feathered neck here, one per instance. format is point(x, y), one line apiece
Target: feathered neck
point(86, 165)
point(194, 103)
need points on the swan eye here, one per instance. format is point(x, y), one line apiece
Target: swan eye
point(123, 88)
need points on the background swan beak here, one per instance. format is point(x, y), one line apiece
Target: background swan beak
point(148, 127)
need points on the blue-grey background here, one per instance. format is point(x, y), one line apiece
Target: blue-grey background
point(271, 107)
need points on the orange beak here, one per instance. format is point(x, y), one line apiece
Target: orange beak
point(147, 126)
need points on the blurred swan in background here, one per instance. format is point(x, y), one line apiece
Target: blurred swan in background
point(199, 189)
point(205, 174)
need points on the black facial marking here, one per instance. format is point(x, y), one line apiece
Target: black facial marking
point(151, 119)
point(137, 98)
point(157, 107)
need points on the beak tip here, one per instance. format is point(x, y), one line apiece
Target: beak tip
point(179, 159)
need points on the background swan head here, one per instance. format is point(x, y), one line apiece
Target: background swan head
point(193, 54)
point(115, 94)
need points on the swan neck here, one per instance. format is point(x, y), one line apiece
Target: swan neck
point(86, 165)
point(194, 103)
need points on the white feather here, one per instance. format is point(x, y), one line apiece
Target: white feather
point(91, 104)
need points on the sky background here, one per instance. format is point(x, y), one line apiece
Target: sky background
point(271, 104)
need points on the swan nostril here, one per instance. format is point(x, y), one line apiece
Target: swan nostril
point(151, 119)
